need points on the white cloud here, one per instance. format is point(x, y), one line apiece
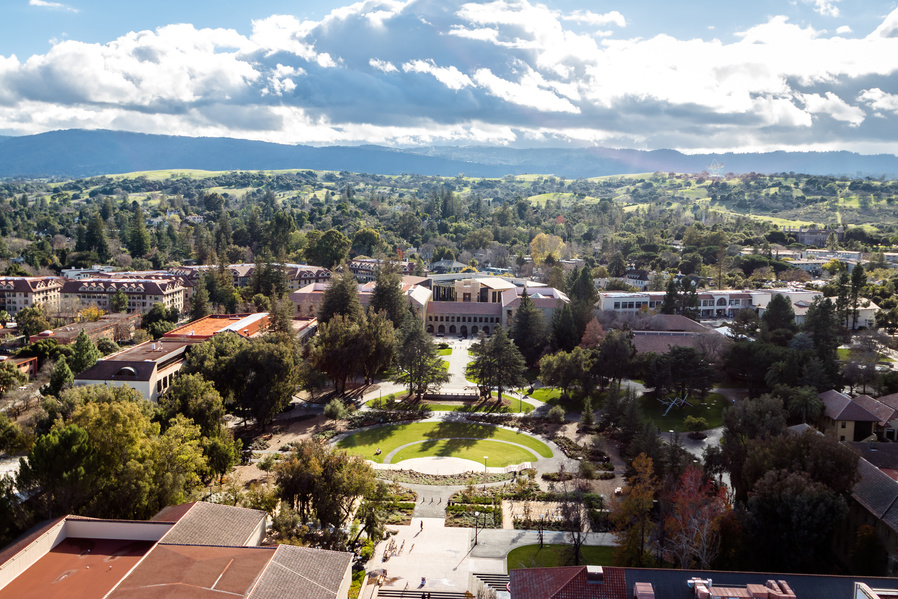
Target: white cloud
point(843, 30)
point(51, 5)
point(451, 77)
point(590, 18)
point(496, 71)
point(827, 8)
point(383, 65)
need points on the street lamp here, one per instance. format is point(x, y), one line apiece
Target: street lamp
point(476, 530)
point(484, 471)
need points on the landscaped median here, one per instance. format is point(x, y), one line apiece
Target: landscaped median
point(456, 439)
point(509, 405)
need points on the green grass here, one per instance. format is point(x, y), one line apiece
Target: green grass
point(500, 454)
point(550, 556)
point(444, 365)
point(387, 438)
point(549, 395)
point(846, 353)
point(711, 410)
point(358, 579)
point(445, 352)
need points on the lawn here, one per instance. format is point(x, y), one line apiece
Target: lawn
point(847, 353)
point(387, 438)
point(546, 395)
point(550, 556)
point(445, 352)
point(444, 365)
point(500, 454)
point(711, 410)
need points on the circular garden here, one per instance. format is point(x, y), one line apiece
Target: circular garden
point(446, 439)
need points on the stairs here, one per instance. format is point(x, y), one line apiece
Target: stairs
point(497, 582)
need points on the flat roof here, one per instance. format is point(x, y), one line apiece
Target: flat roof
point(78, 568)
point(216, 323)
point(149, 350)
point(195, 571)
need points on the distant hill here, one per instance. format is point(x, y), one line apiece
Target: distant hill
point(80, 153)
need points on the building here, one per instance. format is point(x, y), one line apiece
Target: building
point(186, 551)
point(365, 269)
point(245, 325)
point(814, 236)
point(84, 273)
point(24, 292)
point(442, 267)
point(149, 367)
point(27, 366)
point(296, 275)
point(854, 418)
point(827, 255)
point(307, 300)
point(141, 293)
point(115, 326)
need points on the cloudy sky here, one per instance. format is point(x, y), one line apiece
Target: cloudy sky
point(693, 76)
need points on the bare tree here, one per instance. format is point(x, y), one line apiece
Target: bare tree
point(576, 521)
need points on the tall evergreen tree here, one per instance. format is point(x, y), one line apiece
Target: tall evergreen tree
point(138, 236)
point(341, 297)
point(95, 238)
point(564, 329)
point(84, 354)
point(388, 296)
point(497, 363)
point(199, 304)
point(858, 281)
point(417, 362)
point(60, 378)
point(528, 329)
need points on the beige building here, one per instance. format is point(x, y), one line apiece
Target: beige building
point(141, 293)
point(24, 292)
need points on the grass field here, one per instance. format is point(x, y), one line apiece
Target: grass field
point(445, 352)
point(387, 438)
point(515, 405)
point(711, 410)
point(531, 556)
point(500, 454)
point(547, 395)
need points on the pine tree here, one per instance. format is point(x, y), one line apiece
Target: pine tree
point(497, 363)
point(528, 329)
point(138, 237)
point(84, 354)
point(388, 296)
point(341, 297)
point(95, 238)
point(119, 301)
point(199, 305)
point(564, 329)
point(60, 378)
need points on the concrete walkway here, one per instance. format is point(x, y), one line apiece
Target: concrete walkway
point(390, 455)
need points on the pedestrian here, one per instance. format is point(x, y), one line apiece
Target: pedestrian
point(423, 581)
point(413, 546)
point(422, 525)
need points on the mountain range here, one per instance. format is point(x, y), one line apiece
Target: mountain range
point(81, 153)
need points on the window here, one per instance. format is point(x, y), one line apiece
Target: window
point(842, 425)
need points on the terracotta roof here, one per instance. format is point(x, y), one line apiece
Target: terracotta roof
point(172, 513)
point(546, 583)
point(673, 322)
point(302, 572)
point(133, 286)
point(29, 284)
point(890, 400)
point(212, 524)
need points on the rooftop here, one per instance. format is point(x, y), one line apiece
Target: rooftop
point(212, 524)
point(248, 325)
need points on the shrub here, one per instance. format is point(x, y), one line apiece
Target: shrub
point(556, 415)
point(695, 424)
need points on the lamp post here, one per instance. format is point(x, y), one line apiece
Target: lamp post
point(484, 470)
point(476, 530)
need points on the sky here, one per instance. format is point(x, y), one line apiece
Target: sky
point(695, 76)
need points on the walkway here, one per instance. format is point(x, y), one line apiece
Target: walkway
point(388, 458)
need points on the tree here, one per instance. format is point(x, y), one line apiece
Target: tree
point(858, 281)
point(388, 296)
point(868, 555)
point(564, 330)
point(631, 515)
point(119, 301)
point(417, 362)
point(338, 350)
point(528, 329)
point(791, 521)
point(196, 398)
point(804, 405)
point(60, 378)
point(779, 318)
point(33, 320)
point(10, 376)
point(199, 304)
point(341, 297)
point(268, 377)
point(762, 418)
point(328, 250)
point(12, 438)
point(335, 410)
point(542, 246)
point(497, 363)
point(159, 320)
point(138, 237)
point(366, 241)
point(280, 317)
point(378, 344)
point(693, 523)
point(822, 324)
point(323, 486)
point(593, 335)
point(95, 238)
point(85, 354)
point(616, 354)
point(60, 471)
point(617, 266)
